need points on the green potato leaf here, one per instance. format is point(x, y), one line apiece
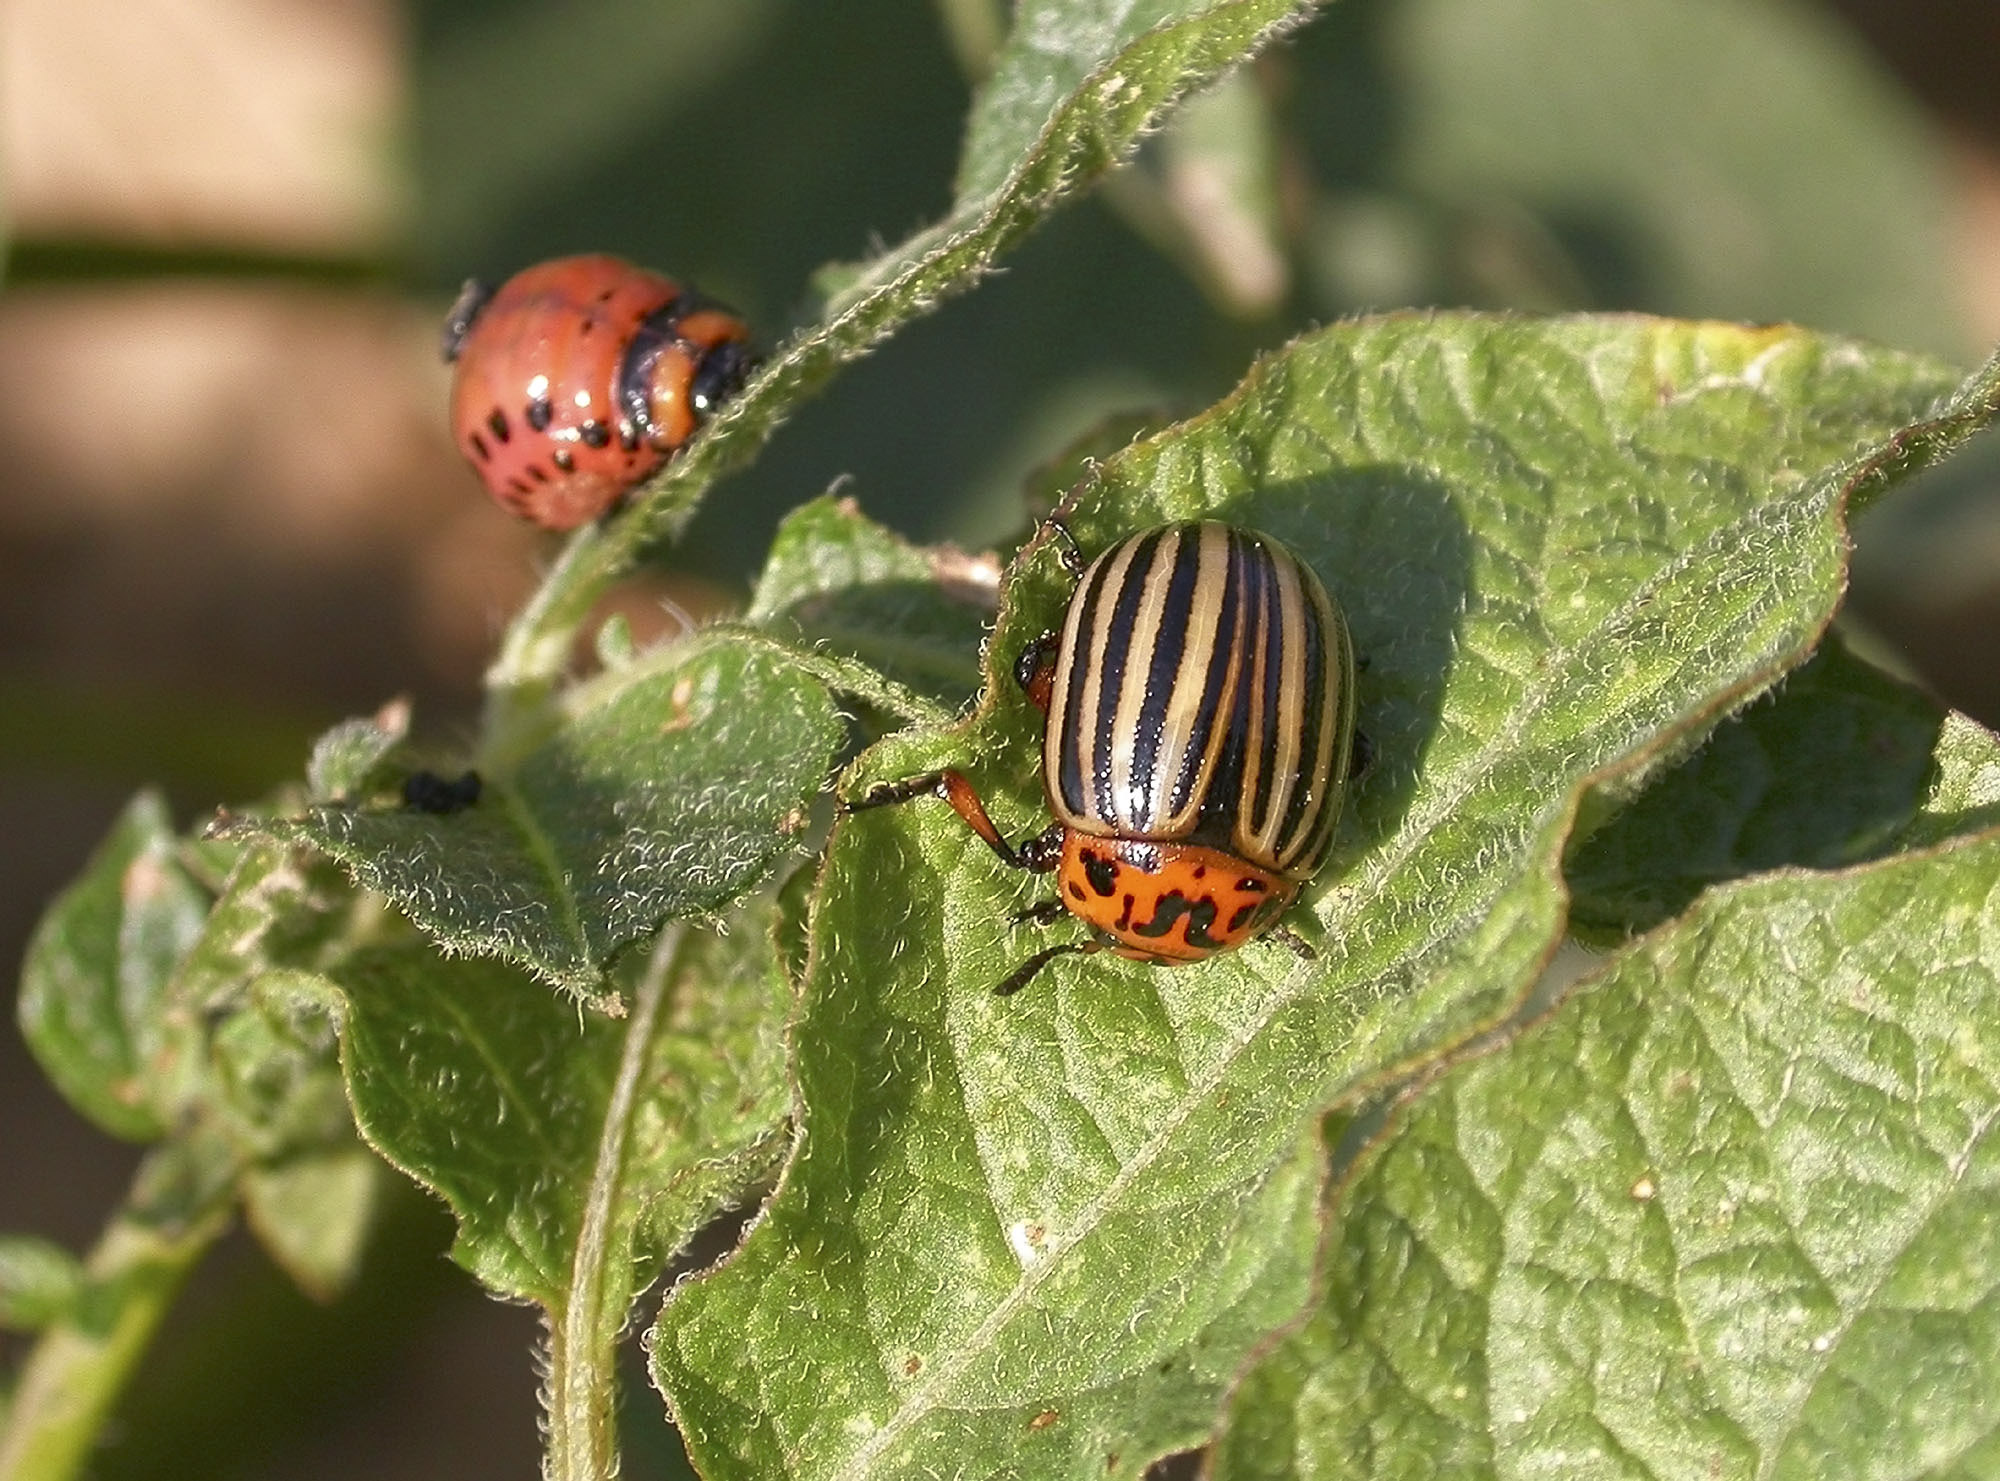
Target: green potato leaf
point(1040, 1235)
point(670, 787)
point(838, 580)
point(1729, 1211)
point(40, 1282)
point(507, 1104)
point(95, 989)
point(1827, 769)
point(578, 1152)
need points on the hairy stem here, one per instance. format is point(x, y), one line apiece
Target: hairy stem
point(582, 1391)
point(178, 1206)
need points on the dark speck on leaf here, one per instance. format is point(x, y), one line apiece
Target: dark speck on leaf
point(426, 791)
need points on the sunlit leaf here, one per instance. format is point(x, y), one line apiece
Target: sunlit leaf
point(1042, 1232)
point(1729, 1212)
point(94, 1004)
point(669, 788)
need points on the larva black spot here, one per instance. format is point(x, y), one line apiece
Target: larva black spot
point(498, 422)
point(538, 414)
point(563, 459)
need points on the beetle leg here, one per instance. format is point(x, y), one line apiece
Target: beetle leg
point(1039, 853)
point(888, 794)
point(1360, 756)
point(1035, 669)
point(1042, 852)
point(955, 789)
point(1066, 547)
point(1301, 948)
point(473, 297)
point(1023, 974)
point(1041, 913)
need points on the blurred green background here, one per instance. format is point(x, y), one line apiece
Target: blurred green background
point(233, 516)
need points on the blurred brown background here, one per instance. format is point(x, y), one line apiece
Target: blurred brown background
point(231, 515)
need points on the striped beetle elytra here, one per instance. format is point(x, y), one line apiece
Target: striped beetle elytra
point(1199, 731)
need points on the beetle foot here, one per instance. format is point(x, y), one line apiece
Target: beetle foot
point(1024, 974)
point(888, 794)
point(1042, 913)
point(1301, 948)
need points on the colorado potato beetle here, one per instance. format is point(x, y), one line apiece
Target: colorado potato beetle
point(580, 377)
point(1198, 733)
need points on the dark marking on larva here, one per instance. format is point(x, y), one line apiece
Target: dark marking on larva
point(594, 433)
point(1125, 915)
point(1076, 891)
point(519, 486)
point(537, 472)
point(563, 459)
point(1241, 918)
point(538, 414)
point(721, 374)
point(1251, 885)
point(479, 447)
point(498, 422)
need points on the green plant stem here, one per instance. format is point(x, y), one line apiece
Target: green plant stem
point(535, 650)
point(582, 1392)
point(79, 1366)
